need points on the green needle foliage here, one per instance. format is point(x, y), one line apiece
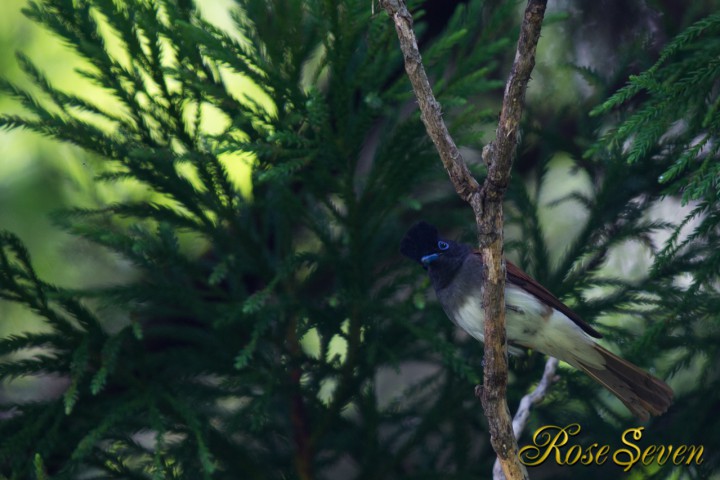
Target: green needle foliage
point(681, 112)
point(300, 344)
point(667, 117)
point(213, 372)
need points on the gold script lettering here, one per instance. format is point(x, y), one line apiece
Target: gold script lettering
point(533, 455)
point(630, 459)
point(554, 441)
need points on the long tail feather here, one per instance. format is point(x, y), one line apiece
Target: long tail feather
point(642, 394)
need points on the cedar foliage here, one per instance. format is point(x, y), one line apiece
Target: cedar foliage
point(667, 117)
point(212, 371)
point(209, 364)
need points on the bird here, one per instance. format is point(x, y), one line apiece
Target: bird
point(535, 319)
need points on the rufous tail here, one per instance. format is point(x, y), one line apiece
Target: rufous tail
point(642, 394)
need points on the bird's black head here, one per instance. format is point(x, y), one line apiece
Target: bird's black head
point(422, 244)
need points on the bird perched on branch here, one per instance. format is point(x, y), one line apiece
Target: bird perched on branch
point(535, 319)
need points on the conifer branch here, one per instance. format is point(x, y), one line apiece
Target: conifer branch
point(430, 110)
point(486, 201)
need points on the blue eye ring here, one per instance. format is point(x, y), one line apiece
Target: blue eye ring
point(443, 245)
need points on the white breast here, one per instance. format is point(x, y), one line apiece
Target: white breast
point(528, 323)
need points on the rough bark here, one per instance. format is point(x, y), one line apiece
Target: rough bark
point(486, 201)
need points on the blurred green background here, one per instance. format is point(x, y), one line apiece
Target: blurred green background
point(39, 176)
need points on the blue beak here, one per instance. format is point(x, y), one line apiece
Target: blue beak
point(428, 259)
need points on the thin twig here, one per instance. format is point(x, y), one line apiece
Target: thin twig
point(533, 398)
point(486, 202)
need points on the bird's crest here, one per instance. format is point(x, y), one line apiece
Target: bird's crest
point(419, 241)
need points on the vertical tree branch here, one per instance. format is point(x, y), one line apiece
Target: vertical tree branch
point(489, 217)
point(304, 449)
point(486, 201)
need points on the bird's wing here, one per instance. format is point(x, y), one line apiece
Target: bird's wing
point(526, 282)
